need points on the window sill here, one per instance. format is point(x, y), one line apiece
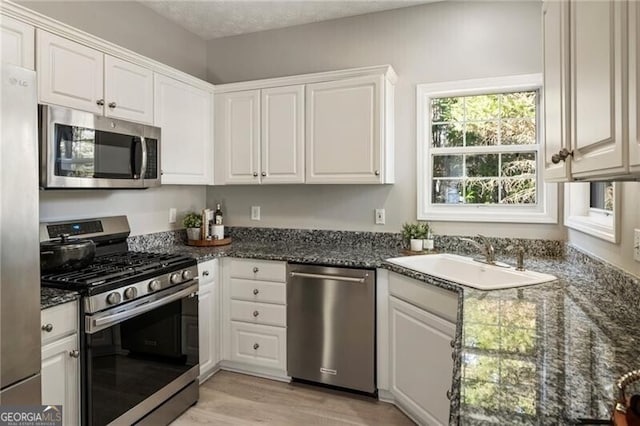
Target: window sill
point(479, 213)
point(596, 227)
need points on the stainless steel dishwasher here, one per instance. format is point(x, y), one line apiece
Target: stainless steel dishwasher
point(331, 326)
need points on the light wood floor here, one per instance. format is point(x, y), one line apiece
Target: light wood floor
point(237, 400)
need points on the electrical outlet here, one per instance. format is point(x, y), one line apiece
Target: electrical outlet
point(172, 215)
point(380, 217)
point(255, 212)
point(636, 245)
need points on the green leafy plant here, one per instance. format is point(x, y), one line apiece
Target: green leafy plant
point(423, 230)
point(192, 220)
point(410, 231)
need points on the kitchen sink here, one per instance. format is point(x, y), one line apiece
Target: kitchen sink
point(466, 271)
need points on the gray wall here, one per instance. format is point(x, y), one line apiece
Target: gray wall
point(436, 42)
point(135, 27)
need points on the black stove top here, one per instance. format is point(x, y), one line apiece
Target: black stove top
point(117, 270)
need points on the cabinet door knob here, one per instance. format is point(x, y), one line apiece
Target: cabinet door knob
point(377, 172)
point(449, 394)
point(205, 273)
point(74, 353)
point(255, 269)
point(256, 313)
point(264, 174)
point(47, 327)
point(256, 291)
point(453, 356)
point(562, 155)
point(256, 346)
point(255, 174)
point(112, 104)
point(452, 343)
point(100, 102)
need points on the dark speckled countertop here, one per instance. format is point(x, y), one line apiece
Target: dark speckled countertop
point(50, 297)
point(539, 355)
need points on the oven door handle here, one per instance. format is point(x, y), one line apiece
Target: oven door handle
point(96, 324)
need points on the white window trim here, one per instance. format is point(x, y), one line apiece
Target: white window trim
point(545, 212)
point(579, 215)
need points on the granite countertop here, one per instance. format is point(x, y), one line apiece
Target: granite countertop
point(50, 297)
point(545, 354)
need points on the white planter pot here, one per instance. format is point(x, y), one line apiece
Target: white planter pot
point(416, 245)
point(193, 233)
point(427, 244)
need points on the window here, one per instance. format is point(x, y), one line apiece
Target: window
point(479, 152)
point(592, 208)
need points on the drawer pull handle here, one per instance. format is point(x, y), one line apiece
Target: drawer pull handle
point(48, 328)
point(255, 269)
point(453, 356)
point(256, 291)
point(205, 273)
point(74, 353)
point(449, 394)
point(256, 346)
point(256, 313)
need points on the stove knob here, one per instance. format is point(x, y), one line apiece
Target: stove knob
point(176, 278)
point(130, 293)
point(187, 275)
point(113, 298)
point(154, 285)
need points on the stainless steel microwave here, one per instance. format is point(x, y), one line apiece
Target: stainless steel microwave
point(82, 150)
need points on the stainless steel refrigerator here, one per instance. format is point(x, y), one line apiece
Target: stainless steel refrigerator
point(19, 239)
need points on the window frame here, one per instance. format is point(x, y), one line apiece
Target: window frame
point(546, 208)
point(580, 216)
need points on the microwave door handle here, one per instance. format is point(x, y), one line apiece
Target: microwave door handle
point(143, 167)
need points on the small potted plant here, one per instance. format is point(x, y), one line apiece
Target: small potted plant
point(426, 235)
point(192, 221)
point(411, 232)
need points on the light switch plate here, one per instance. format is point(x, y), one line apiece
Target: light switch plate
point(380, 217)
point(172, 215)
point(255, 212)
point(636, 245)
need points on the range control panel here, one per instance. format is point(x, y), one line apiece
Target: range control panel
point(77, 228)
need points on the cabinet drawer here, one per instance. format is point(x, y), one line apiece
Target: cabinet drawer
point(262, 270)
point(258, 345)
point(258, 313)
point(61, 320)
point(258, 291)
point(208, 272)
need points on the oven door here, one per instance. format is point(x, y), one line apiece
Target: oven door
point(139, 355)
point(83, 150)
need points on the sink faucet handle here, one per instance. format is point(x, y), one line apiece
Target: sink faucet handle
point(490, 252)
point(520, 258)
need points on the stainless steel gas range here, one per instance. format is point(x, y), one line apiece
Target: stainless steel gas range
point(139, 326)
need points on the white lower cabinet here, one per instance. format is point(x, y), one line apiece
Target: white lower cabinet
point(208, 318)
point(60, 361)
point(421, 364)
point(254, 317)
point(415, 335)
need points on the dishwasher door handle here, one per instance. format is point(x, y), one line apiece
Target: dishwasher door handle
point(329, 277)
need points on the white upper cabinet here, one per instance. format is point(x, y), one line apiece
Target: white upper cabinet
point(128, 90)
point(76, 76)
point(344, 131)
point(185, 115)
point(18, 42)
point(555, 16)
point(326, 128)
point(238, 137)
point(282, 150)
point(634, 86)
point(596, 31)
point(587, 110)
point(69, 73)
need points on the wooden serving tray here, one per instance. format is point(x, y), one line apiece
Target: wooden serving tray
point(209, 243)
point(413, 253)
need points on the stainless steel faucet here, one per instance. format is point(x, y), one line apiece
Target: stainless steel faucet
point(486, 248)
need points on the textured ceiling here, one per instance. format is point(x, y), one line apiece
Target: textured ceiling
point(220, 18)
